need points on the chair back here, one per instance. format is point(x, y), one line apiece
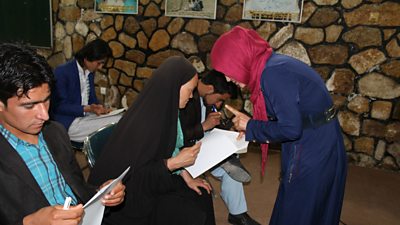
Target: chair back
point(95, 142)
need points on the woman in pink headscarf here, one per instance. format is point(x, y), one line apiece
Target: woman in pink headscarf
point(292, 106)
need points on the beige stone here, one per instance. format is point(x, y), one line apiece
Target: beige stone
point(56, 60)
point(219, 28)
point(332, 33)
point(89, 15)
point(58, 45)
point(308, 9)
point(142, 40)
point(227, 2)
point(266, 30)
point(126, 66)
point(373, 128)
point(95, 28)
point(393, 48)
point(113, 75)
point(144, 72)
point(387, 33)
point(138, 85)
point(125, 80)
point(155, 60)
point(175, 26)
point(381, 110)
point(59, 31)
point(349, 4)
point(378, 86)
point(113, 97)
point(389, 163)
point(341, 81)
point(393, 149)
point(197, 64)
point(117, 49)
point(119, 22)
point(91, 37)
point(309, 36)
point(363, 36)
point(359, 104)
point(152, 10)
point(54, 5)
point(163, 21)
point(129, 96)
point(324, 17)
point(185, 43)
point(77, 42)
point(380, 150)
point(234, 13)
point(159, 40)
point(366, 60)
point(67, 49)
point(82, 28)
point(197, 26)
point(85, 3)
point(206, 42)
point(295, 50)
point(149, 26)
point(364, 145)
point(323, 71)
point(284, 34)
point(393, 132)
point(326, 2)
point(349, 122)
point(135, 56)
point(106, 22)
point(328, 54)
point(221, 11)
point(70, 27)
point(69, 13)
point(109, 34)
point(391, 68)
point(338, 101)
point(144, 2)
point(127, 40)
point(131, 26)
point(347, 143)
point(385, 14)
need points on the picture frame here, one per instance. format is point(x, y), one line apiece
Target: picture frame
point(205, 9)
point(116, 6)
point(273, 10)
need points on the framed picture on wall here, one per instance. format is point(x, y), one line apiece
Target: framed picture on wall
point(116, 6)
point(205, 9)
point(273, 10)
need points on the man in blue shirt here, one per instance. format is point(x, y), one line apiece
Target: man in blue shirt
point(37, 167)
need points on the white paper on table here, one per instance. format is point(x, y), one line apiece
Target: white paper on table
point(216, 146)
point(114, 112)
point(94, 208)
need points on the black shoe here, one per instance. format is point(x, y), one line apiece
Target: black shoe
point(236, 170)
point(241, 219)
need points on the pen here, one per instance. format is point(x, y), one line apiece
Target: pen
point(213, 108)
point(67, 203)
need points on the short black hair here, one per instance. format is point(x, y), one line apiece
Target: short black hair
point(22, 69)
point(95, 50)
point(220, 84)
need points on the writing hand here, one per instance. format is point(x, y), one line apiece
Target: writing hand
point(213, 119)
point(55, 215)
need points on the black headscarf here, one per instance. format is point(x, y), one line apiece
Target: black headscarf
point(146, 133)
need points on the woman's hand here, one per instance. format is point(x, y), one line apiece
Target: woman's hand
point(195, 184)
point(186, 157)
point(116, 196)
point(239, 121)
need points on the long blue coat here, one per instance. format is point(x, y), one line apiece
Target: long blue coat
point(314, 163)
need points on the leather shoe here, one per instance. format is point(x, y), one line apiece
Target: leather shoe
point(234, 168)
point(241, 219)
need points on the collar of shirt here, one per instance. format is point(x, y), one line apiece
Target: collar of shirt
point(14, 140)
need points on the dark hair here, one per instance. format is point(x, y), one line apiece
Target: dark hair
point(94, 50)
point(21, 69)
point(220, 84)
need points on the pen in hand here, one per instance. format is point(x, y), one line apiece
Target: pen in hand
point(67, 203)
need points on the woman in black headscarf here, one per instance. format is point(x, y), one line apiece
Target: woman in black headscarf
point(148, 138)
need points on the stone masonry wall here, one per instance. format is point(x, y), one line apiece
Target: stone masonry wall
point(353, 44)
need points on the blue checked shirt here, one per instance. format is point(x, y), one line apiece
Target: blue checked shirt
point(43, 168)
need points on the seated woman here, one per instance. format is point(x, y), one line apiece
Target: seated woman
point(148, 138)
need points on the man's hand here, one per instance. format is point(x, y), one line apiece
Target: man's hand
point(213, 119)
point(55, 215)
point(239, 121)
point(116, 196)
point(186, 157)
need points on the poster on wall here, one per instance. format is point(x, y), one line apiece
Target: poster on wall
point(205, 9)
point(116, 6)
point(273, 10)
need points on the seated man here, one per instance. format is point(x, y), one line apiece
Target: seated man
point(37, 167)
point(74, 102)
point(212, 90)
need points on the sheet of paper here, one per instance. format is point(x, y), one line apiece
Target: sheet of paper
point(114, 112)
point(216, 146)
point(94, 208)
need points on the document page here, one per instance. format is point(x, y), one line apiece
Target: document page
point(216, 146)
point(94, 208)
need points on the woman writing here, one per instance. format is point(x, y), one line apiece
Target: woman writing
point(148, 138)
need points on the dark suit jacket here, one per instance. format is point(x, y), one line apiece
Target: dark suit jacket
point(20, 195)
point(190, 118)
point(66, 99)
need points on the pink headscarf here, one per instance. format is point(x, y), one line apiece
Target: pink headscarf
point(241, 54)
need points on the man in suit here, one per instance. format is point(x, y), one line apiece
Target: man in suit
point(213, 90)
point(37, 167)
point(74, 102)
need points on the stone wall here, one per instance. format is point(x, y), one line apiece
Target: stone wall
point(353, 44)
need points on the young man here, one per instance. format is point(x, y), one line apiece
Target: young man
point(213, 90)
point(37, 167)
point(74, 102)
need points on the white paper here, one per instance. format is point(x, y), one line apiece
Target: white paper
point(216, 146)
point(94, 208)
point(114, 112)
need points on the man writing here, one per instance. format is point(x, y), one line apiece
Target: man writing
point(37, 167)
